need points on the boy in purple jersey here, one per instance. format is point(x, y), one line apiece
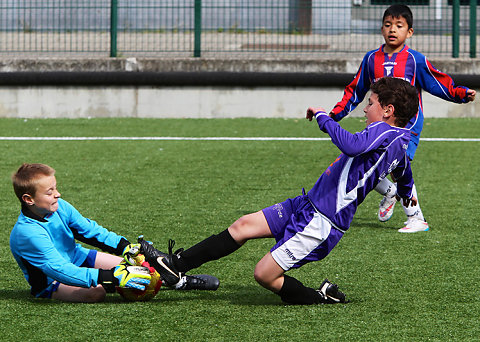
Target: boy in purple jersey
point(306, 228)
point(395, 59)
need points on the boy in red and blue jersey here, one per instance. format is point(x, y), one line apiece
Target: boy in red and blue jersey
point(396, 59)
point(307, 227)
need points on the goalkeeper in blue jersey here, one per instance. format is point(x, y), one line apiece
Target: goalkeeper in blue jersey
point(306, 228)
point(43, 244)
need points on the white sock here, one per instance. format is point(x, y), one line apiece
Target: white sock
point(414, 211)
point(386, 188)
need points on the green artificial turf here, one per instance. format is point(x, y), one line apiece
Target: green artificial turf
point(402, 287)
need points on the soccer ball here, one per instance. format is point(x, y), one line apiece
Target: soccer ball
point(151, 290)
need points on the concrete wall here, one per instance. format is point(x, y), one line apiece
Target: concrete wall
point(38, 96)
point(188, 102)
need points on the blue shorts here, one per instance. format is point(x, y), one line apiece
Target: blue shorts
point(50, 289)
point(302, 234)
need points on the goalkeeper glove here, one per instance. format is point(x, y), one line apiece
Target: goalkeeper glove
point(135, 277)
point(130, 252)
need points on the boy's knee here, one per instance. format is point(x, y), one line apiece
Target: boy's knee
point(95, 295)
point(265, 279)
point(239, 224)
point(239, 230)
point(260, 277)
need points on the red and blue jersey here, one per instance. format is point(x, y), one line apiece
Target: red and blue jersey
point(413, 67)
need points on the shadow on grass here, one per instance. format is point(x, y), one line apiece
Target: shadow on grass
point(235, 294)
point(248, 295)
point(9, 294)
point(361, 223)
point(24, 296)
point(240, 295)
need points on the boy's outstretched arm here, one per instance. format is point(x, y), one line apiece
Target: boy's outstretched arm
point(471, 95)
point(354, 92)
point(313, 111)
point(348, 143)
point(439, 83)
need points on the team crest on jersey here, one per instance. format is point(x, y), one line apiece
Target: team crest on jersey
point(393, 165)
point(279, 208)
point(389, 67)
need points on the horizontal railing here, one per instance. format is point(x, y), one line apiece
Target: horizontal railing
point(227, 28)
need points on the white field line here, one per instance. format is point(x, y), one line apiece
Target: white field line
point(205, 139)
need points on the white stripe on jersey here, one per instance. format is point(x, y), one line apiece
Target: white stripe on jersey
point(344, 198)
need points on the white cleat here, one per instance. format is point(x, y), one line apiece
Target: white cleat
point(385, 210)
point(414, 225)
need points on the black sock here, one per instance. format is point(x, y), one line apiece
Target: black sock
point(212, 248)
point(294, 292)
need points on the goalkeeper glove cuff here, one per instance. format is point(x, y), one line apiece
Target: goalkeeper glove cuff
point(121, 246)
point(107, 280)
point(136, 277)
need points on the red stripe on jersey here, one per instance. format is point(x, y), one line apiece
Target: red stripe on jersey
point(447, 82)
point(347, 93)
point(401, 63)
point(379, 60)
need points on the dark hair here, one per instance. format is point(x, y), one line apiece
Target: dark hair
point(397, 11)
point(399, 93)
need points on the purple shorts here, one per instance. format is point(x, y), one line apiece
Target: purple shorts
point(302, 234)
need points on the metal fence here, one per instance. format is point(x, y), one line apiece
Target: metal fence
point(226, 28)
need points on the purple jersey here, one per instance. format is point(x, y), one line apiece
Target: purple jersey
point(367, 158)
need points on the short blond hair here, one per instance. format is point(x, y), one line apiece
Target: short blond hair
point(25, 179)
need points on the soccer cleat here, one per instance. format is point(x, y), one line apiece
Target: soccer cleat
point(385, 210)
point(147, 249)
point(198, 282)
point(162, 262)
point(330, 293)
point(414, 225)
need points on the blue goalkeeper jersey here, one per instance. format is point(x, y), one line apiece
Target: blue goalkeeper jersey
point(46, 250)
point(367, 158)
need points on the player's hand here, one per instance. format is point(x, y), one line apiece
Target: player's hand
point(471, 94)
point(135, 277)
point(130, 252)
point(407, 202)
point(312, 111)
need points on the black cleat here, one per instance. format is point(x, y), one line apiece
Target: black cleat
point(198, 282)
point(147, 249)
point(162, 262)
point(165, 266)
point(330, 293)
